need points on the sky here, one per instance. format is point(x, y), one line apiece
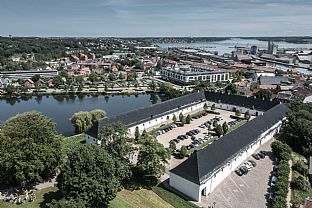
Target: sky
point(146, 18)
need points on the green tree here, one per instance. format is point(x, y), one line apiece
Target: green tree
point(152, 158)
point(183, 151)
point(172, 147)
point(281, 150)
point(91, 175)
point(205, 107)
point(215, 123)
point(139, 65)
point(93, 77)
point(97, 114)
point(57, 81)
point(238, 113)
point(213, 107)
point(225, 127)
point(115, 141)
point(79, 80)
point(219, 130)
point(188, 119)
point(35, 78)
point(29, 149)
point(112, 77)
point(231, 89)
point(247, 116)
point(174, 119)
point(10, 89)
point(181, 117)
point(263, 94)
point(82, 121)
point(137, 133)
point(299, 183)
point(153, 85)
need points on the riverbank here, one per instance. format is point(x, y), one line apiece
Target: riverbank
point(86, 91)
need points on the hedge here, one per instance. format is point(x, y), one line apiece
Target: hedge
point(282, 185)
point(213, 112)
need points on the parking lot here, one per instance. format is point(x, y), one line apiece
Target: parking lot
point(195, 123)
point(248, 190)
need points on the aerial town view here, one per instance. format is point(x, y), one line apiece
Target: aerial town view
point(156, 104)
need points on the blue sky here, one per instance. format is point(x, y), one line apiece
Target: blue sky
point(125, 18)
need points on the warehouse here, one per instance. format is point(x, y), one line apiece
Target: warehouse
point(206, 168)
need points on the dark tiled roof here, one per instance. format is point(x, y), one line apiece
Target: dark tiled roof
point(204, 162)
point(144, 114)
point(248, 102)
point(267, 80)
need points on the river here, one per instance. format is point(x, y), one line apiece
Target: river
point(227, 46)
point(60, 108)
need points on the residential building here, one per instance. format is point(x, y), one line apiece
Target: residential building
point(186, 74)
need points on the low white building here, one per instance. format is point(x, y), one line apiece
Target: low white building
point(206, 168)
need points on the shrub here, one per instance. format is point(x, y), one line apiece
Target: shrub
point(299, 183)
point(183, 151)
point(281, 150)
point(300, 167)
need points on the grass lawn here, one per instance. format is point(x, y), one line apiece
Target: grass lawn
point(42, 196)
point(172, 198)
point(138, 199)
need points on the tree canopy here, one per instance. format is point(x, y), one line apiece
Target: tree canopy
point(29, 149)
point(263, 94)
point(84, 120)
point(92, 175)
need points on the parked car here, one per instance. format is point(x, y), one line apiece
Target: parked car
point(264, 152)
point(244, 170)
point(238, 172)
point(273, 180)
point(253, 163)
point(261, 155)
point(256, 156)
point(248, 165)
point(270, 197)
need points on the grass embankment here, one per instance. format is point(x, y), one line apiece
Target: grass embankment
point(138, 199)
point(298, 196)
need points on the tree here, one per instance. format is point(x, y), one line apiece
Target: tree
point(213, 107)
point(181, 117)
point(97, 114)
point(139, 65)
point(281, 150)
point(152, 158)
point(263, 94)
point(92, 77)
point(174, 119)
point(183, 151)
point(112, 77)
point(231, 89)
point(137, 133)
point(172, 147)
point(57, 81)
point(298, 132)
point(153, 85)
point(79, 80)
point(92, 175)
point(225, 127)
point(10, 89)
point(219, 130)
point(238, 113)
point(35, 78)
point(188, 119)
point(115, 141)
point(82, 121)
point(29, 149)
point(299, 183)
point(247, 115)
point(205, 107)
point(215, 123)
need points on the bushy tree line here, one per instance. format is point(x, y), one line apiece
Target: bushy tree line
point(283, 152)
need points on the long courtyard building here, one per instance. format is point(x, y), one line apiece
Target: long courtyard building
point(206, 168)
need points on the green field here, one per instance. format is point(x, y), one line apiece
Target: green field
point(138, 199)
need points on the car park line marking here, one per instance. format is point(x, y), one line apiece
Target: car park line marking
point(226, 200)
point(235, 183)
